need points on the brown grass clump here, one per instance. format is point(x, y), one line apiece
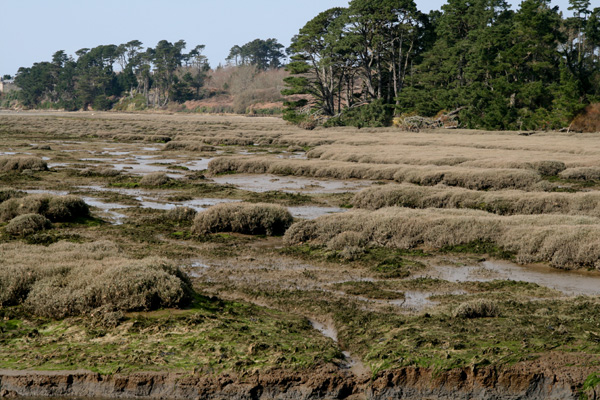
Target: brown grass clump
point(582, 173)
point(181, 214)
point(68, 279)
point(55, 208)
point(481, 308)
point(155, 179)
point(248, 218)
point(502, 202)
point(22, 163)
point(472, 178)
point(588, 120)
point(563, 241)
point(27, 224)
point(188, 146)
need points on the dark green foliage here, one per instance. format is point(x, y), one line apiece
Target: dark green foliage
point(264, 54)
point(495, 68)
point(375, 114)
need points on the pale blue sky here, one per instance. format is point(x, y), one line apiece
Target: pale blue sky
point(32, 30)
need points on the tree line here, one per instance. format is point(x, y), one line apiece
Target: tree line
point(98, 77)
point(496, 68)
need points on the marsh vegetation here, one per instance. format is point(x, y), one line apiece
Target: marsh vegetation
point(165, 263)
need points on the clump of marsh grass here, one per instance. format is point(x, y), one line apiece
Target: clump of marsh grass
point(67, 279)
point(248, 218)
point(471, 178)
point(27, 224)
point(181, 214)
point(55, 208)
point(563, 241)
point(22, 163)
point(155, 179)
point(509, 202)
point(480, 308)
point(582, 173)
point(188, 146)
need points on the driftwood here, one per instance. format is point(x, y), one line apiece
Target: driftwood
point(415, 123)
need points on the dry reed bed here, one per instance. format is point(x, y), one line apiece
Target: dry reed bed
point(509, 202)
point(564, 241)
point(66, 279)
point(472, 178)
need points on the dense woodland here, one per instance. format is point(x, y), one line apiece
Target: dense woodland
point(493, 67)
point(502, 69)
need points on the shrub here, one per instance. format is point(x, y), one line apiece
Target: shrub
point(374, 114)
point(27, 224)
point(253, 219)
point(22, 163)
point(588, 120)
point(55, 208)
point(481, 308)
point(155, 179)
point(549, 168)
point(9, 193)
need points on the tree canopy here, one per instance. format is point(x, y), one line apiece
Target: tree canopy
point(496, 68)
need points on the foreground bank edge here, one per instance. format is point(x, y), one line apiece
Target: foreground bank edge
point(537, 379)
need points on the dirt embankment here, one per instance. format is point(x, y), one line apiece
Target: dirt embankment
point(532, 380)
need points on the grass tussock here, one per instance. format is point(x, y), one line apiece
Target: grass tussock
point(67, 279)
point(247, 218)
point(181, 214)
point(508, 202)
point(55, 208)
point(155, 179)
point(27, 224)
point(471, 178)
point(480, 308)
point(8, 164)
point(564, 241)
point(582, 173)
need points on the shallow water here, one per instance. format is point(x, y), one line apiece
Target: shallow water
point(291, 184)
point(569, 282)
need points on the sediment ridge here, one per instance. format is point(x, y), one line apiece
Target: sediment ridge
point(521, 381)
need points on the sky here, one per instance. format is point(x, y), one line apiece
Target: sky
point(33, 30)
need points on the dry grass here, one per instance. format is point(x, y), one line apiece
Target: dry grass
point(508, 202)
point(563, 241)
point(480, 308)
point(248, 218)
point(472, 178)
point(22, 163)
point(68, 279)
point(582, 173)
point(155, 179)
point(27, 224)
point(181, 214)
point(55, 208)
point(588, 120)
